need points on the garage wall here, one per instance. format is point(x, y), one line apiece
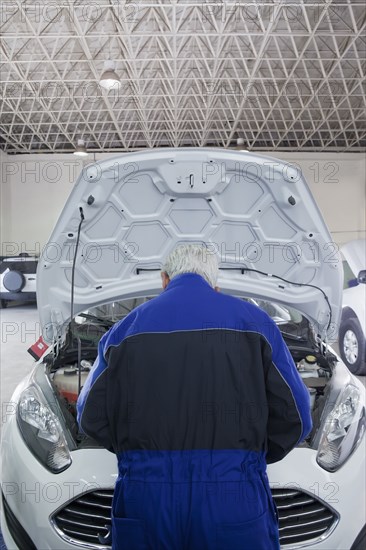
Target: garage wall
point(338, 182)
point(34, 189)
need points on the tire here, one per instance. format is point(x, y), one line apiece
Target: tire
point(360, 542)
point(352, 346)
point(14, 281)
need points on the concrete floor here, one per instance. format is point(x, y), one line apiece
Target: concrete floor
point(20, 328)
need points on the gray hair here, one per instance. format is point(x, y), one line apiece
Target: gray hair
point(193, 258)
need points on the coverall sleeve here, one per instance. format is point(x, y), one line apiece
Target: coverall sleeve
point(91, 404)
point(289, 419)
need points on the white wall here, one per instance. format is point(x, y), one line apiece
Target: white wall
point(34, 189)
point(338, 182)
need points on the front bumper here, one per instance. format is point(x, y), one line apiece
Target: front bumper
point(34, 495)
point(15, 534)
point(18, 296)
point(342, 491)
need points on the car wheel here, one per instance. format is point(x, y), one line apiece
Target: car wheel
point(352, 346)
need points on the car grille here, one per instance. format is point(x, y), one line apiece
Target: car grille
point(302, 517)
point(86, 517)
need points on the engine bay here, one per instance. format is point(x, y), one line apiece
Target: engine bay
point(68, 367)
point(68, 374)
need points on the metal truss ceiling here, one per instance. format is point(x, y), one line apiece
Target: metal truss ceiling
point(282, 75)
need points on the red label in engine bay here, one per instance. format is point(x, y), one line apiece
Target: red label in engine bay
point(38, 348)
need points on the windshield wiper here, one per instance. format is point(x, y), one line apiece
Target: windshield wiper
point(294, 337)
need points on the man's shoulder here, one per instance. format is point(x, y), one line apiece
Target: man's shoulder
point(121, 329)
point(248, 316)
point(128, 325)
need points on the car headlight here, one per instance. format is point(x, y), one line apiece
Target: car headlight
point(42, 431)
point(343, 430)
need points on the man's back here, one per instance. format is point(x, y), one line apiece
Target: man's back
point(191, 374)
point(193, 388)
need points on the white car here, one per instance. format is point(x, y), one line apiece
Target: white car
point(352, 328)
point(18, 279)
point(122, 218)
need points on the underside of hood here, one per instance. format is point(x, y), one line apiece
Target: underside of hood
point(256, 212)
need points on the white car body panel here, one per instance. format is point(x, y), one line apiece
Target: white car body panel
point(151, 216)
point(41, 493)
point(355, 297)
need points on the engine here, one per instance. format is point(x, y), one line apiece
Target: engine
point(67, 381)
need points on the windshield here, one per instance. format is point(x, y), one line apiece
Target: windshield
point(113, 311)
point(21, 264)
point(94, 322)
point(279, 313)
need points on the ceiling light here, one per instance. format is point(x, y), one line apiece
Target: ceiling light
point(80, 149)
point(109, 78)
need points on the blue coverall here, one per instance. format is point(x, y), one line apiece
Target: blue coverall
point(195, 391)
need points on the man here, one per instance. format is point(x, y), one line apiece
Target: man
point(194, 391)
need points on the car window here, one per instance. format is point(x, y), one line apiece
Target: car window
point(279, 313)
point(291, 323)
point(27, 267)
point(350, 278)
point(114, 311)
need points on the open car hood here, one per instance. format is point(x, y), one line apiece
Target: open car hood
point(256, 212)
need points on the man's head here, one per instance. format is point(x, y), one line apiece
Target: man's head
point(191, 258)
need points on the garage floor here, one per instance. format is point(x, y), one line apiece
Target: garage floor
point(20, 328)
